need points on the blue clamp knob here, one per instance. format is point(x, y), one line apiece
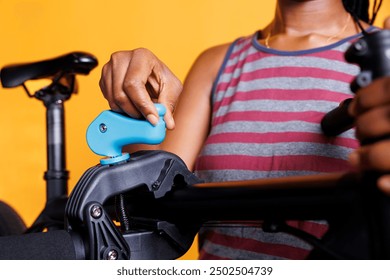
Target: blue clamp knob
point(110, 131)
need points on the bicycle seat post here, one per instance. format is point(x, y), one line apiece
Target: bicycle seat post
point(53, 97)
point(62, 71)
point(56, 175)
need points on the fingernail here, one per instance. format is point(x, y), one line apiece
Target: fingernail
point(170, 123)
point(152, 119)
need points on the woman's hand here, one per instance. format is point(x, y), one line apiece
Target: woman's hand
point(132, 80)
point(371, 108)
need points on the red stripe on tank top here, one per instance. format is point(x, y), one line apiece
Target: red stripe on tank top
point(203, 255)
point(283, 137)
point(311, 227)
point(255, 246)
point(282, 95)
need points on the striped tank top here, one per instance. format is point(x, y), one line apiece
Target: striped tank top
point(266, 111)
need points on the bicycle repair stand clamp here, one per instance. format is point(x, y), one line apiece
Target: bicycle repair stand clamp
point(151, 173)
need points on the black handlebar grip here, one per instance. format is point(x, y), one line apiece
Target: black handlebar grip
point(51, 245)
point(338, 120)
point(372, 54)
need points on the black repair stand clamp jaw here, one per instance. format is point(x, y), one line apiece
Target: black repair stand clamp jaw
point(149, 173)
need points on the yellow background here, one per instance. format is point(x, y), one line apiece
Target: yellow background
point(176, 30)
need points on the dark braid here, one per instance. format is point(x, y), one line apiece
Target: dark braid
point(359, 9)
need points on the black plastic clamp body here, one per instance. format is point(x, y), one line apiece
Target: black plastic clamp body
point(152, 172)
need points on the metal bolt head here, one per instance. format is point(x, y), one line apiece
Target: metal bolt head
point(364, 78)
point(112, 255)
point(103, 128)
point(156, 185)
point(360, 46)
point(96, 211)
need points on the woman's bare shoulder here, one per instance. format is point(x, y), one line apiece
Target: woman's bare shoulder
point(215, 53)
point(209, 61)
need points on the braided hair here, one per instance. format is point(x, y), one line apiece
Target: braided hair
point(359, 9)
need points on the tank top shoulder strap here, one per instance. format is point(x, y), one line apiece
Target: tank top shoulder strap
point(234, 47)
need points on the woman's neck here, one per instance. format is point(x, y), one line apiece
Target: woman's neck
point(299, 25)
point(305, 17)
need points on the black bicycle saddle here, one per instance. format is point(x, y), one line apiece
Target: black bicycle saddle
point(72, 63)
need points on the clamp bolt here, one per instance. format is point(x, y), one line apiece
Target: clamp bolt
point(103, 128)
point(156, 185)
point(96, 211)
point(112, 255)
point(360, 46)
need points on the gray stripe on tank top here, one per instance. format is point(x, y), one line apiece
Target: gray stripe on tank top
point(277, 149)
point(283, 106)
point(293, 61)
point(304, 83)
point(258, 235)
point(236, 254)
point(223, 175)
point(264, 127)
